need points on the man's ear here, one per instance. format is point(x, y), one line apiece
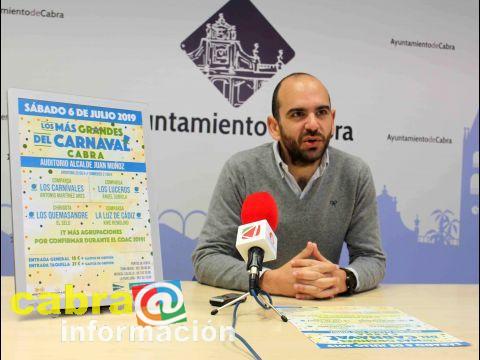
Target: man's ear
point(273, 127)
point(334, 112)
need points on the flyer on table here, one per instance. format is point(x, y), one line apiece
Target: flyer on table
point(82, 181)
point(354, 327)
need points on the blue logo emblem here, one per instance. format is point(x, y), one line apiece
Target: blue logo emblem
point(238, 50)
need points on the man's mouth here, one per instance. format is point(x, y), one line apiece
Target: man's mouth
point(312, 141)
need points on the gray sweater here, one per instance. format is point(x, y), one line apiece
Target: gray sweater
point(340, 206)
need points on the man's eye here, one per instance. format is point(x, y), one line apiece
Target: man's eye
point(322, 112)
point(296, 114)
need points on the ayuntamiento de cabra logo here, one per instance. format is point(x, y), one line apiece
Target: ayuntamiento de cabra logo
point(238, 50)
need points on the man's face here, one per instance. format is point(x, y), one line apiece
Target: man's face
point(306, 119)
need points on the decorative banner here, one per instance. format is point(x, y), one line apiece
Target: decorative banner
point(406, 95)
point(333, 327)
point(80, 201)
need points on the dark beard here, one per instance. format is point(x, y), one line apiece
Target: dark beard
point(300, 157)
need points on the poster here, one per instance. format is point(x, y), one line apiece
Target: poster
point(80, 200)
point(333, 327)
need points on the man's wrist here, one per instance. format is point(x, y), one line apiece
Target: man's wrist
point(266, 282)
point(342, 276)
point(350, 281)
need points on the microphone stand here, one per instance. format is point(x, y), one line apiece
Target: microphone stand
point(254, 267)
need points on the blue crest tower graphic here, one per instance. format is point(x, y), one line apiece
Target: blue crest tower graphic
point(7, 264)
point(469, 197)
point(177, 247)
point(238, 50)
point(448, 253)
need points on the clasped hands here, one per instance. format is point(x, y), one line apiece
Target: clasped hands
point(309, 275)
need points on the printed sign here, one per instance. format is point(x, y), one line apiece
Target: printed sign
point(333, 327)
point(81, 213)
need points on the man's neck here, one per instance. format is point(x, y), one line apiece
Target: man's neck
point(303, 174)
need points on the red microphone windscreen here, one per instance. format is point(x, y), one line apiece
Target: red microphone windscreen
point(260, 206)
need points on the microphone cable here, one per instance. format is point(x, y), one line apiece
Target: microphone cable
point(264, 306)
point(260, 302)
point(241, 338)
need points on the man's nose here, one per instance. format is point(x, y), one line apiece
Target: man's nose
point(311, 122)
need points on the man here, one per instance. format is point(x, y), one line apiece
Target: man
point(325, 197)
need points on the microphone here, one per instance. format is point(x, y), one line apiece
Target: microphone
point(256, 240)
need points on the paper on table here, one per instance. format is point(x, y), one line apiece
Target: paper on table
point(366, 327)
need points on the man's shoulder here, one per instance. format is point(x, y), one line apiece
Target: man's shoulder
point(250, 156)
point(342, 159)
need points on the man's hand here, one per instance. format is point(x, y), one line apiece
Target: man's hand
point(281, 281)
point(309, 275)
point(317, 278)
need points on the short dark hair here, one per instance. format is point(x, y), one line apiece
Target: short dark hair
point(275, 102)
